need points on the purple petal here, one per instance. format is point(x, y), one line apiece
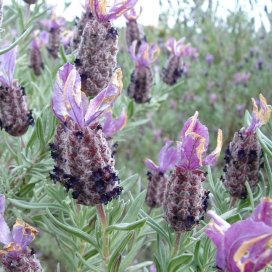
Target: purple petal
point(191, 151)
point(245, 242)
point(5, 235)
point(259, 117)
point(168, 157)
point(132, 14)
point(67, 96)
point(211, 159)
point(263, 212)
point(194, 125)
point(146, 54)
point(7, 68)
point(2, 204)
point(171, 45)
point(23, 234)
point(111, 126)
point(151, 165)
point(104, 100)
point(119, 8)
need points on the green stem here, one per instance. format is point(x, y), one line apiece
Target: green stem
point(102, 215)
point(177, 244)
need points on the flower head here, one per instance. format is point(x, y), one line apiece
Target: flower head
point(132, 14)
point(241, 78)
point(40, 40)
point(69, 102)
point(119, 7)
point(209, 59)
point(167, 159)
point(193, 147)
point(180, 48)
point(19, 238)
point(111, 125)
point(244, 246)
point(146, 55)
point(7, 67)
point(259, 117)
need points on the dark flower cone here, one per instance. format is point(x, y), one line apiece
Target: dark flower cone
point(31, 1)
point(96, 59)
point(84, 163)
point(134, 32)
point(21, 262)
point(36, 61)
point(141, 84)
point(185, 199)
point(15, 117)
point(156, 189)
point(243, 161)
point(80, 24)
point(173, 71)
point(54, 42)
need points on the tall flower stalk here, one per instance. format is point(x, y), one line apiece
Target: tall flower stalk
point(15, 116)
point(83, 158)
point(243, 154)
point(96, 58)
point(141, 80)
point(185, 200)
point(157, 175)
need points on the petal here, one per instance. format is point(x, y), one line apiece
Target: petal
point(23, 234)
point(7, 69)
point(132, 14)
point(259, 117)
point(171, 45)
point(2, 204)
point(5, 235)
point(191, 151)
point(111, 126)
point(104, 100)
point(151, 165)
point(212, 158)
point(67, 96)
point(168, 157)
point(245, 242)
point(194, 125)
point(119, 8)
point(263, 212)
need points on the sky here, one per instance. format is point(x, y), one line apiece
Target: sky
point(152, 9)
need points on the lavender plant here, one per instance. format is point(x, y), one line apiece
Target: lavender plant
point(84, 223)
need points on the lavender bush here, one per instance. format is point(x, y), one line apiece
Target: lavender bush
point(95, 172)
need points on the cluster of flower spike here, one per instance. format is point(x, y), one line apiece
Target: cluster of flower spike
point(82, 155)
point(96, 58)
point(15, 116)
point(16, 255)
point(243, 154)
point(182, 194)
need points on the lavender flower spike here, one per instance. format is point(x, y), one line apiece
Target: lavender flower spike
point(244, 246)
point(175, 66)
point(15, 117)
point(157, 176)
point(185, 199)
point(82, 155)
point(99, 8)
point(134, 31)
point(111, 126)
point(142, 76)
point(243, 154)
point(16, 256)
